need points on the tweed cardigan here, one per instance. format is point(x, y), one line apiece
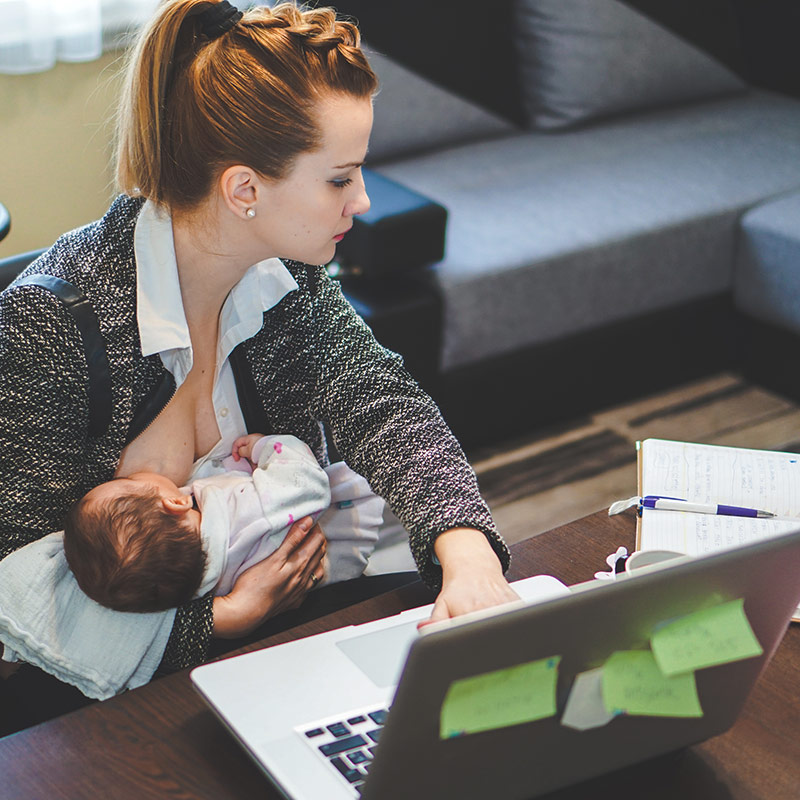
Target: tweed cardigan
point(313, 361)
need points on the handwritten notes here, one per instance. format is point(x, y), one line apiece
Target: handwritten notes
point(715, 474)
point(633, 684)
point(498, 699)
point(705, 638)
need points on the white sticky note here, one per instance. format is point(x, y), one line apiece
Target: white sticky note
point(585, 708)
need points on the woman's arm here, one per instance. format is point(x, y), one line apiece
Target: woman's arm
point(391, 432)
point(46, 458)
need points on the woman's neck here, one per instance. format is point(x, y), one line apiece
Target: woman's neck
point(209, 265)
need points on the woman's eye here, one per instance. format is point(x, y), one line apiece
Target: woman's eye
point(341, 183)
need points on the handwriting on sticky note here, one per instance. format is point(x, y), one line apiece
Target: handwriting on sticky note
point(705, 638)
point(511, 696)
point(633, 684)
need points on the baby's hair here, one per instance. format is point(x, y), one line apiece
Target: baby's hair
point(130, 554)
point(193, 106)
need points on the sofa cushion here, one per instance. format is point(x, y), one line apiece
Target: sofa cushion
point(418, 115)
point(583, 59)
point(767, 274)
point(553, 235)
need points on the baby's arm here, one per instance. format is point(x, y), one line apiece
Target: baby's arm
point(243, 447)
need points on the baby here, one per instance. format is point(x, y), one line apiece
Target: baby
point(141, 543)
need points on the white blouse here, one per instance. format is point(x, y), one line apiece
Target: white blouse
point(163, 328)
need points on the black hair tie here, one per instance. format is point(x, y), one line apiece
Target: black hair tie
point(218, 19)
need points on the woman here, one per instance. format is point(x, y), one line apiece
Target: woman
point(241, 140)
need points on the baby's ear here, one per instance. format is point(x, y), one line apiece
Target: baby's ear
point(178, 504)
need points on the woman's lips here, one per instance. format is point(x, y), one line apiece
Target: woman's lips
point(340, 236)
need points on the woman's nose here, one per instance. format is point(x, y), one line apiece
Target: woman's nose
point(359, 203)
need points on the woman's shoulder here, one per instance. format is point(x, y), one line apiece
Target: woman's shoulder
point(93, 257)
point(106, 243)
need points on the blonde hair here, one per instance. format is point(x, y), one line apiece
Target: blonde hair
point(193, 106)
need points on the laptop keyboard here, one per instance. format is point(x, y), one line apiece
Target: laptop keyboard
point(347, 743)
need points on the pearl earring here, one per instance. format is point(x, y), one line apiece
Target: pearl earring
point(251, 212)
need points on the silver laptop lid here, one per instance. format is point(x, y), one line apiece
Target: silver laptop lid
point(582, 631)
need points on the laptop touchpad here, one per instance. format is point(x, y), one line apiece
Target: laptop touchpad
point(380, 655)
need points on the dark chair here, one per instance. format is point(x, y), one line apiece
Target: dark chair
point(12, 266)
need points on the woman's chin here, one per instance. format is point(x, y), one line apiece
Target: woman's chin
point(321, 255)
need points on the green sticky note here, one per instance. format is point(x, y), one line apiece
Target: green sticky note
point(511, 696)
point(705, 638)
point(633, 684)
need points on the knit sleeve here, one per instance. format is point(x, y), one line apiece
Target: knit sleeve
point(43, 415)
point(391, 432)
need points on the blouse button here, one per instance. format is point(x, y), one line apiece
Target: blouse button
point(223, 412)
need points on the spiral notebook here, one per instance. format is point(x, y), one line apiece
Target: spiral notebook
point(715, 474)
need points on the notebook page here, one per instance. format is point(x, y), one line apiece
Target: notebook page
point(715, 474)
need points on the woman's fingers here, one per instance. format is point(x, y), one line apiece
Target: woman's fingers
point(315, 571)
point(296, 537)
point(303, 542)
point(314, 544)
point(302, 552)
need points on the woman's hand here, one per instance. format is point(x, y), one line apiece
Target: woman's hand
point(472, 577)
point(276, 584)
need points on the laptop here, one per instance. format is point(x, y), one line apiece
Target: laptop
point(360, 711)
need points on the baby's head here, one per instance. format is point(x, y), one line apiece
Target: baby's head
point(134, 544)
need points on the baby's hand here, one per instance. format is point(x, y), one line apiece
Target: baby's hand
point(243, 447)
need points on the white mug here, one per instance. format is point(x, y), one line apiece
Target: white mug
point(646, 558)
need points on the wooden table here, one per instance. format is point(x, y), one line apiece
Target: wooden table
point(160, 741)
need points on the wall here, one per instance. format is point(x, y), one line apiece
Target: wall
point(55, 150)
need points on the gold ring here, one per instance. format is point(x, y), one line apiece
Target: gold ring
point(314, 579)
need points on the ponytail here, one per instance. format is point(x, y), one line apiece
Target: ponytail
point(193, 105)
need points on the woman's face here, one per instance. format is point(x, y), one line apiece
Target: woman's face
point(304, 215)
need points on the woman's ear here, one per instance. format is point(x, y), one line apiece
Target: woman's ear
point(178, 504)
point(238, 186)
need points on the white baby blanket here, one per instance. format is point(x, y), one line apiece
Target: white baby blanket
point(46, 620)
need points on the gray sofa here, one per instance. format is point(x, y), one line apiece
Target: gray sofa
point(629, 217)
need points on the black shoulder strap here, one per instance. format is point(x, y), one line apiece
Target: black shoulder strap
point(94, 347)
point(255, 418)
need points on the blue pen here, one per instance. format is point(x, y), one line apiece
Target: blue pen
point(676, 504)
